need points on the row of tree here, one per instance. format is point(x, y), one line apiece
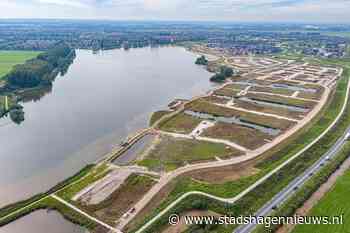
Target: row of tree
point(43, 69)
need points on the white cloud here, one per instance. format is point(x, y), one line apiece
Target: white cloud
point(234, 10)
point(67, 3)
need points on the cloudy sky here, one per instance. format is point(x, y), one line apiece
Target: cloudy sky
point(332, 11)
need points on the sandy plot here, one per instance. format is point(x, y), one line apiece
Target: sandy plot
point(101, 189)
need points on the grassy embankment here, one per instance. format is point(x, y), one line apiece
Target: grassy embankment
point(181, 123)
point(330, 205)
point(225, 91)
point(205, 107)
point(157, 115)
point(244, 136)
point(251, 202)
point(279, 91)
point(281, 100)
point(172, 153)
point(44, 201)
point(334, 203)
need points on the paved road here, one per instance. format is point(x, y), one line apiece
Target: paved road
point(288, 191)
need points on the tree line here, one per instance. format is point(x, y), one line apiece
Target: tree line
point(41, 70)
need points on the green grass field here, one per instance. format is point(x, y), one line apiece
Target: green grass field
point(172, 153)
point(8, 59)
point(181, 123)
point(334, 203)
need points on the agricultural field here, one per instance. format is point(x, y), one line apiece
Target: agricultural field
point(8, 59)
point(334, 203)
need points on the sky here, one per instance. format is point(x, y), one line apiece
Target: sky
point(322, 11)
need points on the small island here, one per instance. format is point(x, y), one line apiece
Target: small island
point(202, 60)
point(225, 72)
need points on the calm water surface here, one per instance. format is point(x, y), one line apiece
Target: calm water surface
point(100, 100)
point(42, 221)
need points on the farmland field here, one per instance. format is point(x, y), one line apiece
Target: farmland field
point(334, 203)
point(10, 58)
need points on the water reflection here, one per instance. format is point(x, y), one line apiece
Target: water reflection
point(42, 221)
point(102, 99)
point(34, 95)
point(132, 153)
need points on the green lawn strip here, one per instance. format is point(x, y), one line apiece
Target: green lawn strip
point(253, 200)
point(281, 100)
point(248, 137)
point(52, 204)
point(202, 106)
point(19, 209)
point(184, 185)
point(172, 153)
point(157, 115)
point(225, 91)
point(181, 123)
point(334, 203)
point(272, 90)
point(94, 175)
point(216, 100)
point(8, 59)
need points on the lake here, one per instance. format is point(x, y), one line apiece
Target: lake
point(103, 98)
point(41, 221)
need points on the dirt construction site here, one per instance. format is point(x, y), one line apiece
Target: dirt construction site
point(264, 103)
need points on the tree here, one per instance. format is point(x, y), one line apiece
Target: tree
point(43, 69)
point(17, 115)
point(218, 78)
point(226, 71)
point(202, 60)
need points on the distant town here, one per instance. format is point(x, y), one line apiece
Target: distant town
point(239, 39)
